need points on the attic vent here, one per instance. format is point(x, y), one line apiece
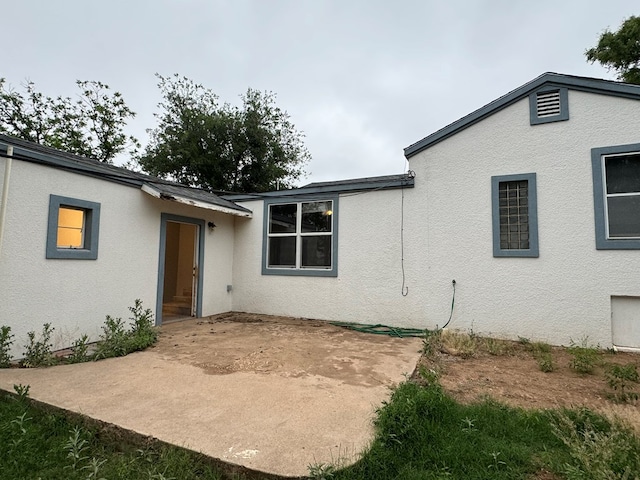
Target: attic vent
point(548, 104)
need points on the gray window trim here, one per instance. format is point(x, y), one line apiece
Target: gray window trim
point(564, 106)
point(533, 250)
point(92, 229)
point(599, 195)
point(308, 272)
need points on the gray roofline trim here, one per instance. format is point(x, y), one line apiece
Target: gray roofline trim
point(319, 189)
point(550, 79)
point(26, 151)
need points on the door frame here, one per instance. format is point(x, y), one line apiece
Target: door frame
point(168, 217)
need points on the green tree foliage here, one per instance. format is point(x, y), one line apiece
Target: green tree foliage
point(202, 143)
point(91, 125)
point(620, 51)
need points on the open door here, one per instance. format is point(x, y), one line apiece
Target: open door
point(180, 276)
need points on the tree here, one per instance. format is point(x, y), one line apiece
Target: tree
point(91, 126)
point(620, 51)
point(202, 143)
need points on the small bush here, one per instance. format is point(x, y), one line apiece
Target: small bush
point(585, 357)
point(431, 342)
point(6, 340)
point(38, 352)
point(113, 339)
point(622, 380)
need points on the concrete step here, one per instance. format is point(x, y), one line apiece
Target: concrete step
point(174, 308)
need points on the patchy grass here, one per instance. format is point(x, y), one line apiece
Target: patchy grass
point(39, 443)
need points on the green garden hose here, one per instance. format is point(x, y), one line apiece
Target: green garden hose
point(380, 329)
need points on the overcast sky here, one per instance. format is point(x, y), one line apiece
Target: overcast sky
point(362, 79)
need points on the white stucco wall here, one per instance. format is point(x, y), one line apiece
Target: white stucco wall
point(562, 295)
point(565, 293)
point(76, 295)
point(368, 286)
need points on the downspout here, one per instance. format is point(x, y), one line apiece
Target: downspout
point(5, 192)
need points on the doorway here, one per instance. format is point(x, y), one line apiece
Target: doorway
point(180, 275)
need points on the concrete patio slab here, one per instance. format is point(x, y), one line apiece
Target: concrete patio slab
point(273, 394)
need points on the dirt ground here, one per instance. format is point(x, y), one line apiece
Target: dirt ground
point(514, 378)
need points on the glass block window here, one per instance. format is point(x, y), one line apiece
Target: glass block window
point(514, 215)
point(515, 218)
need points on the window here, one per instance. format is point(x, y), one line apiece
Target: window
point(515, 217)
point(300, 237)
point(72, 228)
point(616, 190)
point(549, 105)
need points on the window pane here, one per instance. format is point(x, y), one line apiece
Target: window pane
point(282, 252)
point(514, 215)
point(70, 228)
point(282, 218)
point(624, 216)
point(623, 173)
point(316, 251)
point(316, 217)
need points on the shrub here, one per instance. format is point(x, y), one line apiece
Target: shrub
point(6, 340)
point(38, 352)
point(545, 362)
point(116, 341)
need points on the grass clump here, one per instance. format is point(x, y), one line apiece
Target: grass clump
point(542, 353)
point(585, 357)
point(460, 343)
point(600, 449)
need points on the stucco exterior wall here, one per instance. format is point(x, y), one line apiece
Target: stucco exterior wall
point(368, 286)
point(76, 295)
point(565, 293)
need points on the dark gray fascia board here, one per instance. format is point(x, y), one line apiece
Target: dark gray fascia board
point(24, 150)
point(318, 189)
point(550, 79)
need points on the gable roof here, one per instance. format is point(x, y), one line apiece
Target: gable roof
point(549, 79)
point(157, 187)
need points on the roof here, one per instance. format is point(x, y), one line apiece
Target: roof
point(386, 182)
point(549, 79)
point(157, 187)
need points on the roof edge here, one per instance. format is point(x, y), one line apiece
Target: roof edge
point(586, 84)
point(388, 182)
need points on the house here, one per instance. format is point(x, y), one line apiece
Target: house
point(519, 220)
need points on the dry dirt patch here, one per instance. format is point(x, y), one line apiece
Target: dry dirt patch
point(291, 347)
point(515, 379)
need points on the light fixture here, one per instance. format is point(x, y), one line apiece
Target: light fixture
point(211, 226)
point(329, 212)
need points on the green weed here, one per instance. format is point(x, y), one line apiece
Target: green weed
point(545, 362)
point(116, 340)
point(585, 357)
point(6, 340)
point(622, 379)
point(80, 350)
point(38, 352)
